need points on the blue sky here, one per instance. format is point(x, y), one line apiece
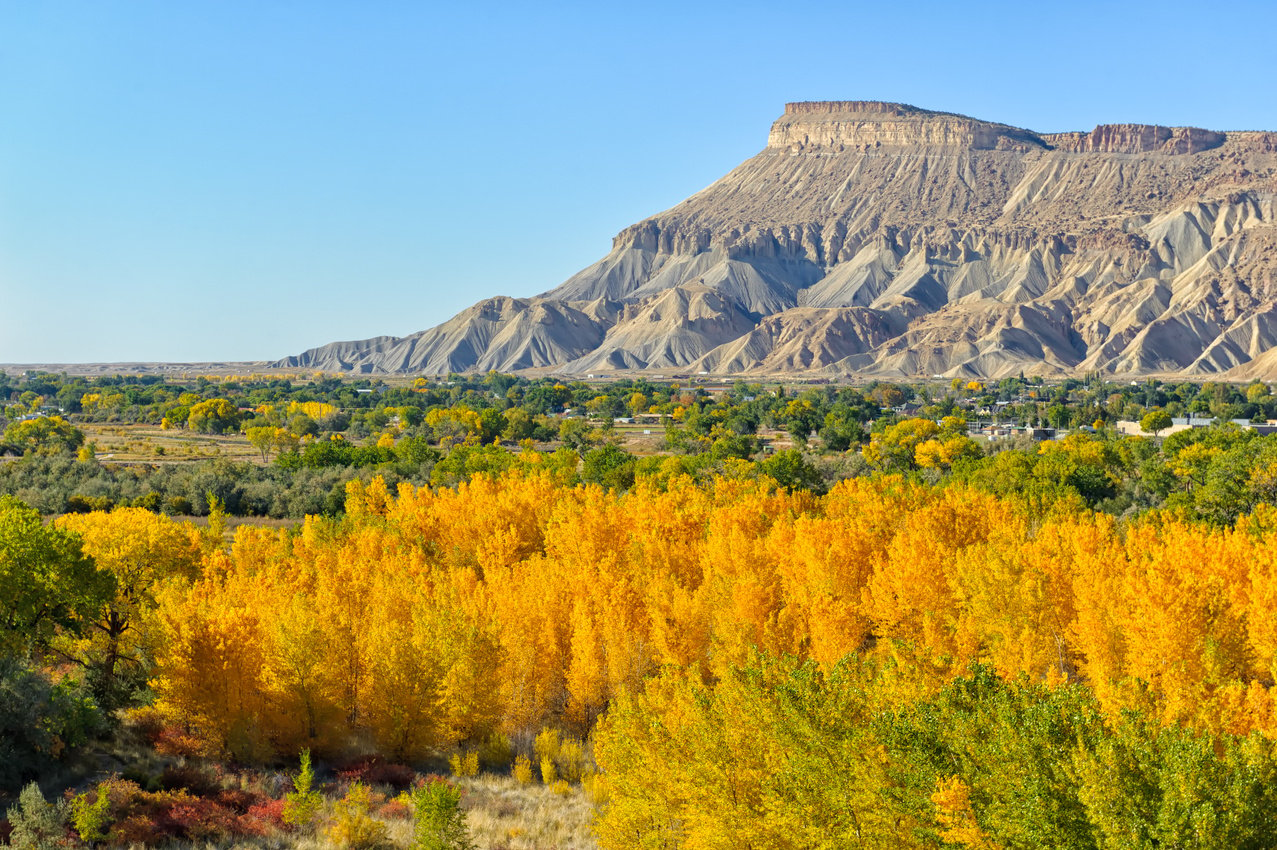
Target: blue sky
point(244, 180)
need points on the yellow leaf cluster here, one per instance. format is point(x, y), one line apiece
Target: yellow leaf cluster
point(426, 618)
point(314, 409)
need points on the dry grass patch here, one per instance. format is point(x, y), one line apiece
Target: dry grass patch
point(143, 443)
point(503, 814)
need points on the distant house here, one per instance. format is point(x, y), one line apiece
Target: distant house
point(1178, 423)
point(1005, 432)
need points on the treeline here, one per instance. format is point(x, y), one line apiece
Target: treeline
point(318, 435)
point(363, 407)
point(58, 484)
point(403, 627)
point(1216, 473)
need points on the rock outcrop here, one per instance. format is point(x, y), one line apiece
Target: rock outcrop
point(871, 125)
point(1137, 138)
point(878, 239)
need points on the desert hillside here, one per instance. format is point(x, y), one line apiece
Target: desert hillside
point(879, 239)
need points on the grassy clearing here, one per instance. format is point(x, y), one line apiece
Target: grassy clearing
point(502, 813)
point(142, 443)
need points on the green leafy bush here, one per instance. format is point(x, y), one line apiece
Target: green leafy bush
point(40, 721)
point(91, 815)
point(439, 822)
point(303, 804)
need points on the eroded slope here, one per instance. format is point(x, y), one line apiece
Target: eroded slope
point(880, 239)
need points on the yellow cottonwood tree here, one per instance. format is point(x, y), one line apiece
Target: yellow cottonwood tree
point(142, 550)
point(208, 676)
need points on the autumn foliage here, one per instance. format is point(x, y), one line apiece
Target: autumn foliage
point(890, 655)
point(430, 617)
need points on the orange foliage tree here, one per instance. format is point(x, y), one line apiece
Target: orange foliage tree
point(428, 617)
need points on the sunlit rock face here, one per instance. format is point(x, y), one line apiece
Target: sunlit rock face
point(879, 239)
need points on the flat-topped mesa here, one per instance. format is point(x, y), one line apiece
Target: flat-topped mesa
point(878, 240)
point(870, 125)
point(1137, 138)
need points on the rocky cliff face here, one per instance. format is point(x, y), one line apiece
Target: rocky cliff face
point(865, 125)
point(1137, 138)
point(873, 238)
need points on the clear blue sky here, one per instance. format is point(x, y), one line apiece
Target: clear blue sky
point(244, 180)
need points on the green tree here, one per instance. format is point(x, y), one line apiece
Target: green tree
point(1155, 421)
point(40, 721)
point(302, 425)
point(46, 582)
point(214, 416)
point(37, 823)
point(262, 438)
point(518, 425)
point(45, 435)
point(609, 465)
point(1145, 785)
point(576, 434)
point(439, 822)
point(791, 470)
point(303, 803)
point(1010, 744)
point(91, 819)
point(417, 451)
point(775, 754)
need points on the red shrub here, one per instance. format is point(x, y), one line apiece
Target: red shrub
point(200, 818)
point(6, 829)
point(433, 778)
point(353, 769)
point(142, 817)
point(175, 741)
point(372, 770)
point(268, 811)
point(151, 818)
point(396, 808)
point(136, 829)
point(247, 826)
point(398, 776)
point(122, 793)
point(262, 819)
point(237, 800)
